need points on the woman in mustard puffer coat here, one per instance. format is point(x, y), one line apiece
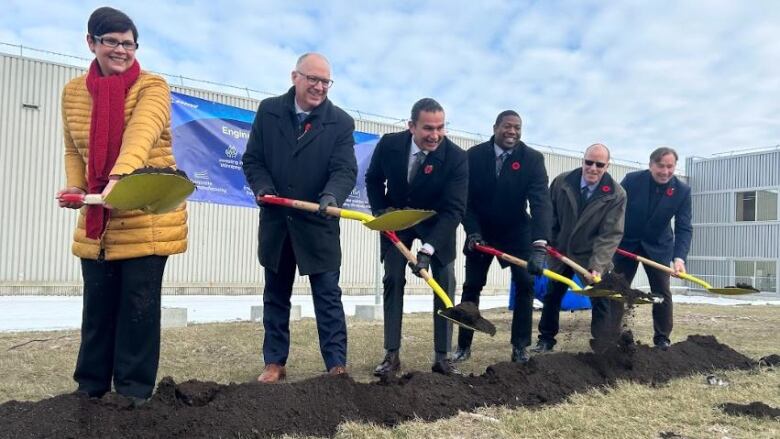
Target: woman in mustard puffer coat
point(116, 119)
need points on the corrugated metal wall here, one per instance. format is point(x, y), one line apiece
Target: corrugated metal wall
point(35, 234)
point(718, 239)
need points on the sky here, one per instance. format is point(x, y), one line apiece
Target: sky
point(701, 76)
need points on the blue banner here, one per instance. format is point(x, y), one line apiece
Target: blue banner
point(209, 141)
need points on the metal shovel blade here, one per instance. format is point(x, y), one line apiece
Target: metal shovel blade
point(457, 316)
point(151, 192)
point(399, 219)
point(733, 291)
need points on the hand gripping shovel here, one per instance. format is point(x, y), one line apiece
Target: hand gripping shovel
point(464, 314)
point(396, 220)
point(464, 317)
point(153, 190)
point(521, 263)
point(595, 291)
point(732, 291)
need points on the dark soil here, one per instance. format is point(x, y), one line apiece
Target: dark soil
point(616, 282)
point(317, 406)
point(756, 409)
point(770, 360)
point(468, 313)
point(745, 287)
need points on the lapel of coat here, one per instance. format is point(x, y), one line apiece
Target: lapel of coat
point(605, 188)
point(433, 164)
point(512, 165)
point(667, 198)
point(318, 118)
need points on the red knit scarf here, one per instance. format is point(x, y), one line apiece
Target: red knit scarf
point(105, 134)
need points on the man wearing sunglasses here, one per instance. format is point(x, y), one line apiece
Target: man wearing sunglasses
point(588, 210)
point(655, 196)
point(301, 146)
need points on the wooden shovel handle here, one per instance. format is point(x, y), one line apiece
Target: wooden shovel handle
point(577, 267)
point(644, 261)
point(437, 289)
point(298, 204)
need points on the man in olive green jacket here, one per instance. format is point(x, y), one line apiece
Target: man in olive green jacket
point(588, 212)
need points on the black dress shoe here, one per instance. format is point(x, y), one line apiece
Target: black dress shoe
point(662, 344)
point(390, 365)
point(461, 355)
point(444, 367)
point(542, 347)
point(520, 355)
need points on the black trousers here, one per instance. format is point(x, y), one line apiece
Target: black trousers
point(120, 326)
point(663, 314)
point(477, 266)
point(328, 311)
point(602, 323)
point(394, 281)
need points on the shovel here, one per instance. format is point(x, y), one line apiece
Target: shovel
point(153, 190)
point(731, 291)
point(457, 314)
point(595, 291)
point(521, 263)
point(395, 220)
point(465, 316)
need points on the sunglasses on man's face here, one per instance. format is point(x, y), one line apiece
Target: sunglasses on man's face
point(598, 164)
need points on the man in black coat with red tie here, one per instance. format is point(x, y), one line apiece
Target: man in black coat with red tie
point(421, 169)
point(301, 146)
point(505, 177)
point(655, 196)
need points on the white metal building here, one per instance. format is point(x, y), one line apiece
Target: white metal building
point(736, 232)
point(35, 234)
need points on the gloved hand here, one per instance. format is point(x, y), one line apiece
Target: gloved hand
point(326, 200)
point(474, 239)
point(423, 263)
point(263, 192)
point(536, 260)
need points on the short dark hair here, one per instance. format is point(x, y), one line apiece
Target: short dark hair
point(106, 20)
point(659, 153)
point(425, 104)
point(506, 113)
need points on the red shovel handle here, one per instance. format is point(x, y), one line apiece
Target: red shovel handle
point(72, 198)
point(627, 254)
point(488, 250)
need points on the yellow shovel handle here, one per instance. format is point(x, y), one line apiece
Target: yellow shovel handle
point(424, 273)
point(548, 273)
point(314, 207)
point(664, 268)
point(694, 279)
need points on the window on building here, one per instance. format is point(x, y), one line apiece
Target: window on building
point(757, 205)
point(759, 274)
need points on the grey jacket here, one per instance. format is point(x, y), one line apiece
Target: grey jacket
point(587, 233)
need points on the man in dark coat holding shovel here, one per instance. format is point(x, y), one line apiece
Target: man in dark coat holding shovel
point(505, 176)
point(421, 169)
point(301, 146)
point(588, 212)
point(655, 196)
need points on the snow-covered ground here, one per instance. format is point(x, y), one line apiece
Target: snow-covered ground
point(38, 313)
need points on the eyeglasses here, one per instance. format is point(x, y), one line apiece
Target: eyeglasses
point(113, 42)
point(598, 164)
point(313, 80)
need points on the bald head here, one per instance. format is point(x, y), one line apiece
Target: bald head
point(311, 79)
point(595, 163)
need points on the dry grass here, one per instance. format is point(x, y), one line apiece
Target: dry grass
point(231, 352)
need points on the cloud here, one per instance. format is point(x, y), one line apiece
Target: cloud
point(701, 76)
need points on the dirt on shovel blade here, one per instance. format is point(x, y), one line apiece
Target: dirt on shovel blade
point(744, 287)
point(616, 282)
point(468, 314)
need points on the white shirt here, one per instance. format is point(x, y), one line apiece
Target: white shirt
point(414, 149)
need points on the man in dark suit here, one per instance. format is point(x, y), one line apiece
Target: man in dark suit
point(505, 176)
point(655, 196)
point(588, 211)
point(301, 146)
point(420, 169)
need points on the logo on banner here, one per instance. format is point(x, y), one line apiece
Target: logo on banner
point(231, 152)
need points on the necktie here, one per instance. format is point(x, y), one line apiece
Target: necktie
point(500, 161)
point(585, 194)
point(301, 118)
point(419, 158)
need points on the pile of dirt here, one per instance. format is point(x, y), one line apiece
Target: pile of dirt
point(756, 409)
point(317, 406)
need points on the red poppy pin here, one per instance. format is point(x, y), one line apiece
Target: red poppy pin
point(669, 191)
point(605, 189)
point(428, 169)
point(515, 166)
point(306, 128)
